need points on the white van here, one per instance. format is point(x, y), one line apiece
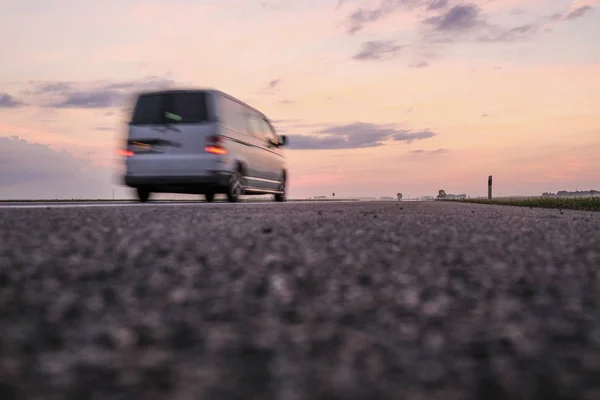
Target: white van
point(202, 142)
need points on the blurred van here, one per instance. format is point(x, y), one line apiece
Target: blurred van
point(202, 142)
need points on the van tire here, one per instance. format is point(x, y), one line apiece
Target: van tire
point(209, 197)
point(235, 187)
point(282, 195)
point(143, 194)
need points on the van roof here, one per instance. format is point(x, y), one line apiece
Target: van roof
point(206, 90)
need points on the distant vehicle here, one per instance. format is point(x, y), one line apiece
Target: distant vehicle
point(202, 141)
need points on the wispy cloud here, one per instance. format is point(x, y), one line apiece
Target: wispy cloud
point(437, 4)
point(285, 121)
point(578, 12)
point(90, 99)
point(468, 23)
point(8, 101)
point(517, 33)
point(50, 87)
point(457, 19)
point(493, 33)
point(422, 64)
point(90, 95)
point(446, 25)
point(270, 88)
point(428, 152)
point(274, 83)
point(357, 20)
point(357, 135)
point(517, 11)
point(378, 50)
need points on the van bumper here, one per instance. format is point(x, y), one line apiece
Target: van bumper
point(215, 180)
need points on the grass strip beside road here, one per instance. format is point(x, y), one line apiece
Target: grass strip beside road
point(590, 203)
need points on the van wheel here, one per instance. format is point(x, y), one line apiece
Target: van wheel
point(282, 195)
point(210, 197)
point(143, 194)
point(235, 188)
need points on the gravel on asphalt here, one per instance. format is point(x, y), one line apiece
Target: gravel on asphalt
point(379, 300)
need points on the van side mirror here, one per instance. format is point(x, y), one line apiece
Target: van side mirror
point(283, 140)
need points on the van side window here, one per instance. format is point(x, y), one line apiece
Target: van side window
point(232, 115)
point(269, 131)
point(255, 127)
point(225, 112)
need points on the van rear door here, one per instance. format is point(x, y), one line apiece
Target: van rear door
point(168, 133)
point(171, 123)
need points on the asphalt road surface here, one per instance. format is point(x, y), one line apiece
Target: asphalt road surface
point(420, 300)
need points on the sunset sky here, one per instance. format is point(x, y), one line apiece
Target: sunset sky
point(377, 97)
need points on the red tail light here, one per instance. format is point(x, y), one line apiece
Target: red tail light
point(127, 153)
point(215, 145)
point(215, 150)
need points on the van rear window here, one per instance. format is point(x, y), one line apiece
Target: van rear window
point(172, 108)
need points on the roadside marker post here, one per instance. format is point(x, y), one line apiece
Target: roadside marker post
point(489, 187)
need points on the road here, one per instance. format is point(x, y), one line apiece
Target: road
point(382, 300)
point(135, 203)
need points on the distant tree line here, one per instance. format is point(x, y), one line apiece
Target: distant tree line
point(578, 193)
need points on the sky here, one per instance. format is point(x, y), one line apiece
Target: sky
point(377, 97)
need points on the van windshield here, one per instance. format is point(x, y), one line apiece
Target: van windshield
point(171, 108)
